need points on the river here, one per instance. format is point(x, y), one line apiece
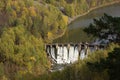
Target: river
point(75, 31)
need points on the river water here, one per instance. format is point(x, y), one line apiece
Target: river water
point(75, 33)
point(113, 10)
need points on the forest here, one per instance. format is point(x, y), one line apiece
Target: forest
point(73, 8)
point(25, 27)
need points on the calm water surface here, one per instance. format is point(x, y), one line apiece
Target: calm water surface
point(74, 32)
point(113, 10)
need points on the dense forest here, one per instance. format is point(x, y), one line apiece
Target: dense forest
point(26, 25)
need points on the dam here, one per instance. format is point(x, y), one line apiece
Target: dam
point(65, 53)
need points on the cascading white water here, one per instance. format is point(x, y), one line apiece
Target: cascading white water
point(64, 57)
point(53, 52)
point(82, 54)
point(71, 54)
point(59, 55)
point(76, 54)
point(65, 54)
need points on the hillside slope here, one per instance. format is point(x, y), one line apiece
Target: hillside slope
point(25, 25)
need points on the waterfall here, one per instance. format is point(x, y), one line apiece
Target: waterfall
point(59, 55)
point(76, 54)
point(52, 53)
point(71, 54)
point(82, 54)
point(62, 54)
point(65, 57)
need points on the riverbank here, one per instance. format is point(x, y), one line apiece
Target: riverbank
point(75, 32)
point(84, 14)
point(94, 8)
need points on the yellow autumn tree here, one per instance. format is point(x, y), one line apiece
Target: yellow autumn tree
point(32, 11)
